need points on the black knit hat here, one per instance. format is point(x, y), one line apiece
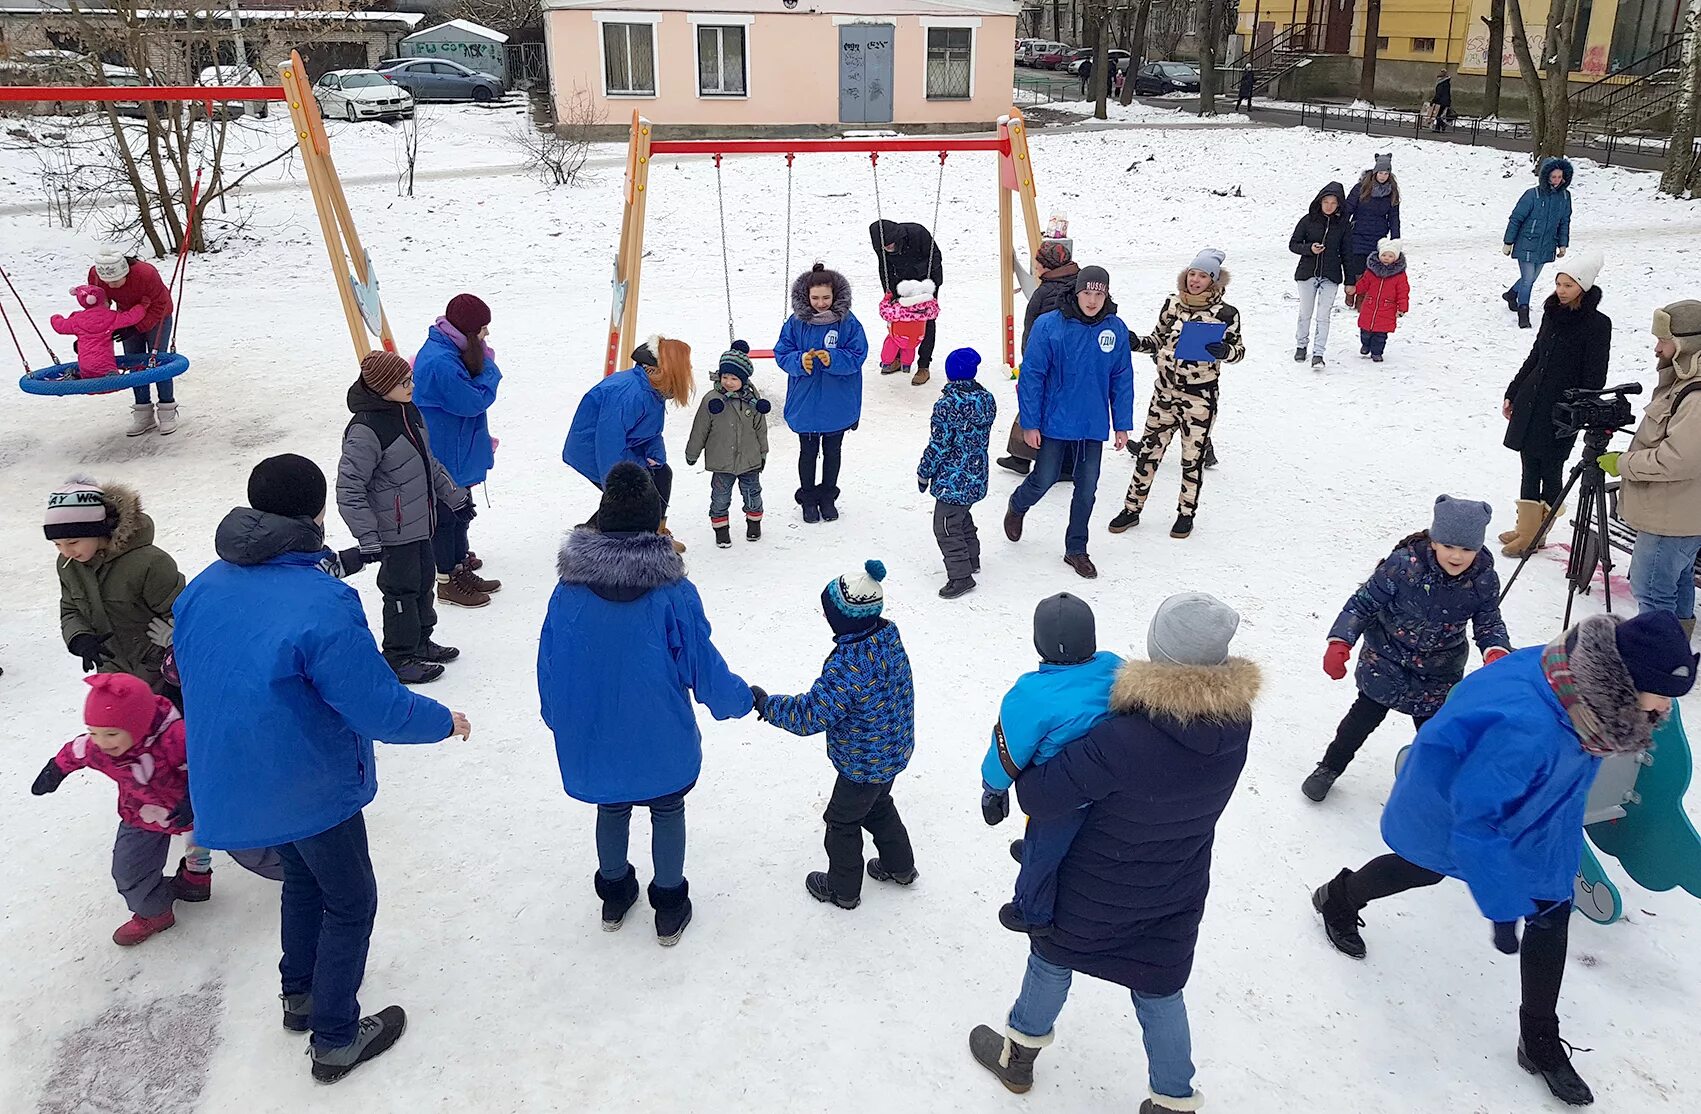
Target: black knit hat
point(1656, 653)
point(287, 485)
point(1064, 631)
point(630, 502)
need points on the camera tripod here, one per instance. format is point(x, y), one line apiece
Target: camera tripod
point(1591, 545)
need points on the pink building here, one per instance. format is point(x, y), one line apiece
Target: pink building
point(722, 65)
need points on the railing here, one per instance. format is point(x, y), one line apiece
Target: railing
point(1613, 98)
point(1272, 60)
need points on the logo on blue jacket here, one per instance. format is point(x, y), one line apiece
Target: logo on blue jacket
point(1107, 341)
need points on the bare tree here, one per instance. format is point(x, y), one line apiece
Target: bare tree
point(1495, 62)
point(1098, 85)
point(1683, 167)
point(1549, 84)
point(1372, 47)
point(557, 154)
point(1208, 36)
point(407, 149)
point(1137, 47)
point(500, 15)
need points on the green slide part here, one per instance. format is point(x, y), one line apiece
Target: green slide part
point(1594, 895)
point(1654, 841)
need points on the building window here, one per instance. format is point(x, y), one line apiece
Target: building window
point(950, 60)
point(1382, 42)
point(1423, 46)
point(629, 59)
point(721, 65)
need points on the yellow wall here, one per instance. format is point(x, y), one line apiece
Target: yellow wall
point(1597, 41)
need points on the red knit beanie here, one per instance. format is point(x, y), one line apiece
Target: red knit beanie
point(468, 314)
point(122, 701)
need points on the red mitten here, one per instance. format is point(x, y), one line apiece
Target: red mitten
point(1335, 659)
point(1494, 654)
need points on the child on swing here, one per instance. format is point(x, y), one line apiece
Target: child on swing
point(906, 313)
point(94, 325)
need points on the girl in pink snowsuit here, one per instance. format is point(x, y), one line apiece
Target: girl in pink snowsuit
point(93, 326)
point(907, 313)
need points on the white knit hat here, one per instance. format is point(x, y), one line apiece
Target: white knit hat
point(1389, 243)
point(1583, 266)
point(913, 292)
point(78, 510)
point(111, 265)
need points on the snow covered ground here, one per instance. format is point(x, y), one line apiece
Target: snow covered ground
point(488, 931)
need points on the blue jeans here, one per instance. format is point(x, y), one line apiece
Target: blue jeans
point(330, 899)
point(1048, 467)
point(1163, 1024)
point(1376, 343)
point(720, 495)
point(137, 343)
point(1044, 844)
point(1662, 573)
point(667, 839)
point(1528, 272)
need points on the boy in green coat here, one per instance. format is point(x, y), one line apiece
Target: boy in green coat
point(731, 434)
point(116, 587)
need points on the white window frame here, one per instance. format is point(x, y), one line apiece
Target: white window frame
point(972, 25)
point(701, 20)
point(654, 20)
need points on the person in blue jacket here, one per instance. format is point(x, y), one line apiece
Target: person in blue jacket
point(1067, 696)
point(821, 349)
point(1494, 792)
point(1374, 209)
point(1538, 231)
point(284, 691)
point(454, 386)
point(620, 419)
point(1077, 368)
point(625, 648)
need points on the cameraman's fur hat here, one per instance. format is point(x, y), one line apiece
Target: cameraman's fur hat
point(1681, 322)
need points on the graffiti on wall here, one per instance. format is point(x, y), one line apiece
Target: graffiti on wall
point(1476, 52)
point(484, 57)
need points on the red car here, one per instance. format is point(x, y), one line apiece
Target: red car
point(1054, 59)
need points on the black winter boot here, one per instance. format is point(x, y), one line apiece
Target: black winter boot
point(810, 501)
point(1125, 520)
point(297, 1011)
point(1340, 916)
point(957, 586)
point(412, 671)
point(752, 529)
point(1299, 354)
point(375, 1037)
point(827, 497)
point(617, 896)
point(1015, 464)
point(437, 655)
point(673, 912)
point(1317, 786)
point(878, 872)
point(1510, 297)
point(822, 890)
point(1009, 1055)
point(1183, 526)
point(723, 536)
point(1523, 317)
point(1542, 1052)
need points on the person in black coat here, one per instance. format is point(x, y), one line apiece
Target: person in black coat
point(1321, 239)
point(1056, 269)
point(1441, 102)
point(1244, 96)
point(1571, 351)
point(1131, 891)
point(905, 253)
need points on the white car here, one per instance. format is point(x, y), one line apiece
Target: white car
point(354, 95)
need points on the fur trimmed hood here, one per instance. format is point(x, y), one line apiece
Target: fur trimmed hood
point(1217, 694)
point(133, 529)
point(817, 276)
point(1606, 716)
point(618, 567)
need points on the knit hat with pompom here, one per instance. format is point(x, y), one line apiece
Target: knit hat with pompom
point(853, 602)
point(736, 361)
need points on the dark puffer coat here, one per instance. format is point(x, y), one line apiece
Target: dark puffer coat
point(914, 256)
point(388, 483)
point(1373, 217)
point(1158, 774)
point(1058, 284)
point(1412, 615)
point(1332, 230)
point(1571, 351)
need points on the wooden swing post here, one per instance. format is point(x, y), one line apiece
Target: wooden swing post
point(629, 256)
point(1016, 174)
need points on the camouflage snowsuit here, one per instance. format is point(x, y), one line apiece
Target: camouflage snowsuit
point(1184, 396)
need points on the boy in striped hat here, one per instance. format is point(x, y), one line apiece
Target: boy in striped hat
point(731, 435)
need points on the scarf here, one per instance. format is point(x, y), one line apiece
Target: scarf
point(1200, 301)
point(459, 340)
point(1381, 189)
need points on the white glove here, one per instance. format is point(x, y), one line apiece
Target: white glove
point(1505, 249)
point(1559, 253)
point(160, 631)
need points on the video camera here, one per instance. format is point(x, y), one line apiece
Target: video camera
point(1602, 411)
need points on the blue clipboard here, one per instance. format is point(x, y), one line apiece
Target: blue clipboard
point(1195, 335)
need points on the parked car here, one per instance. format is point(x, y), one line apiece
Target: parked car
point(1054, 57)
point(437, 79)
point(235, 75)
point(1022, 46)
point(361, 95)
point(1118, 58)
point(1154, 79)
point(1037, 49)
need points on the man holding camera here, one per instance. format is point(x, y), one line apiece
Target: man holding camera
point(1661, 471)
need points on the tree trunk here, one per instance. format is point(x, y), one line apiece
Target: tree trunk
point(1680, 158)
point(1137, 47)
point(1372, 44)
point(1208, 57)
point(1099, 83)
point(1556, 61)
point(1496, 20)
point(1531, 75)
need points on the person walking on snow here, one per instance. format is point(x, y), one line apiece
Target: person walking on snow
point(1185, 396)
point(731, 435)
point(1131, 891)
point(1384, 296)
point(128, 282)
point(954, 465)
point(1055, 267)
point(1494, 792)
point(1571, 352)
point(1322, 239)
point(907, 252)
point(625, 649)
point(1538, 232)
point(821, 349)
point(454, 386)
point(284, 692)
point(1243, 92)
point(1412, 614)
point(1374, 209)
point(1441, 102)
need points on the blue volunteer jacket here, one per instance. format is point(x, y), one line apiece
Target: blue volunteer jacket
point(284, 689)
point(1069, 369)
point(1541, 221)
point(1046, 709)
point(864, 700)
point(618, 419)
point(1494, 790)
point(453, 402)
point(954, 463)
point(829, 399)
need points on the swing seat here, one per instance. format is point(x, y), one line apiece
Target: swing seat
point(133, 371)
point(1651, 837)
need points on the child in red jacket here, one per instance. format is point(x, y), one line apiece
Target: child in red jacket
point(137, 739)
point(1383, 295)
point(93, 325)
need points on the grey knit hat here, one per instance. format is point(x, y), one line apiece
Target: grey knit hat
point(1191, 628)
point(1384, 161)
point(1209, 261)
point(1460, 522)
point(1064, 630)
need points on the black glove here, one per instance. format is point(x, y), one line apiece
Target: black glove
point(922, 484)
point(1506, 936)
point(994, 806)
point(183, 816)
point(1219, 349)
point(49, 779)
point(354, 559)
point(759, 701)
point(91, 648)
point(467, 511)
point(1141, 344)
point(763, 406)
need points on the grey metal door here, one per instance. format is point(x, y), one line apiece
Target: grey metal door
point(865, 73)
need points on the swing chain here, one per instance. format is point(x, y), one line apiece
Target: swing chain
point(880, 221)
point(785, 274)
point(726, 265)
point(938, 193)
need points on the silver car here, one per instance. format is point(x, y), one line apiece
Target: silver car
point(437, 79)
point(355, 95)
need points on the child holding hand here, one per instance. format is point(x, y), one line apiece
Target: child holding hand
point(1384, 295)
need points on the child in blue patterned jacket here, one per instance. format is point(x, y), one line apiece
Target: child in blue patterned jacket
point(954, 463)
point(1067, 696)
point(865, 701)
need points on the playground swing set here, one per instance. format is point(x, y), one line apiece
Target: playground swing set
point(1015, 181)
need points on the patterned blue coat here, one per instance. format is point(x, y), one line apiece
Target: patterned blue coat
point(864, 701)
point(1412, 617)
point(954, 463)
